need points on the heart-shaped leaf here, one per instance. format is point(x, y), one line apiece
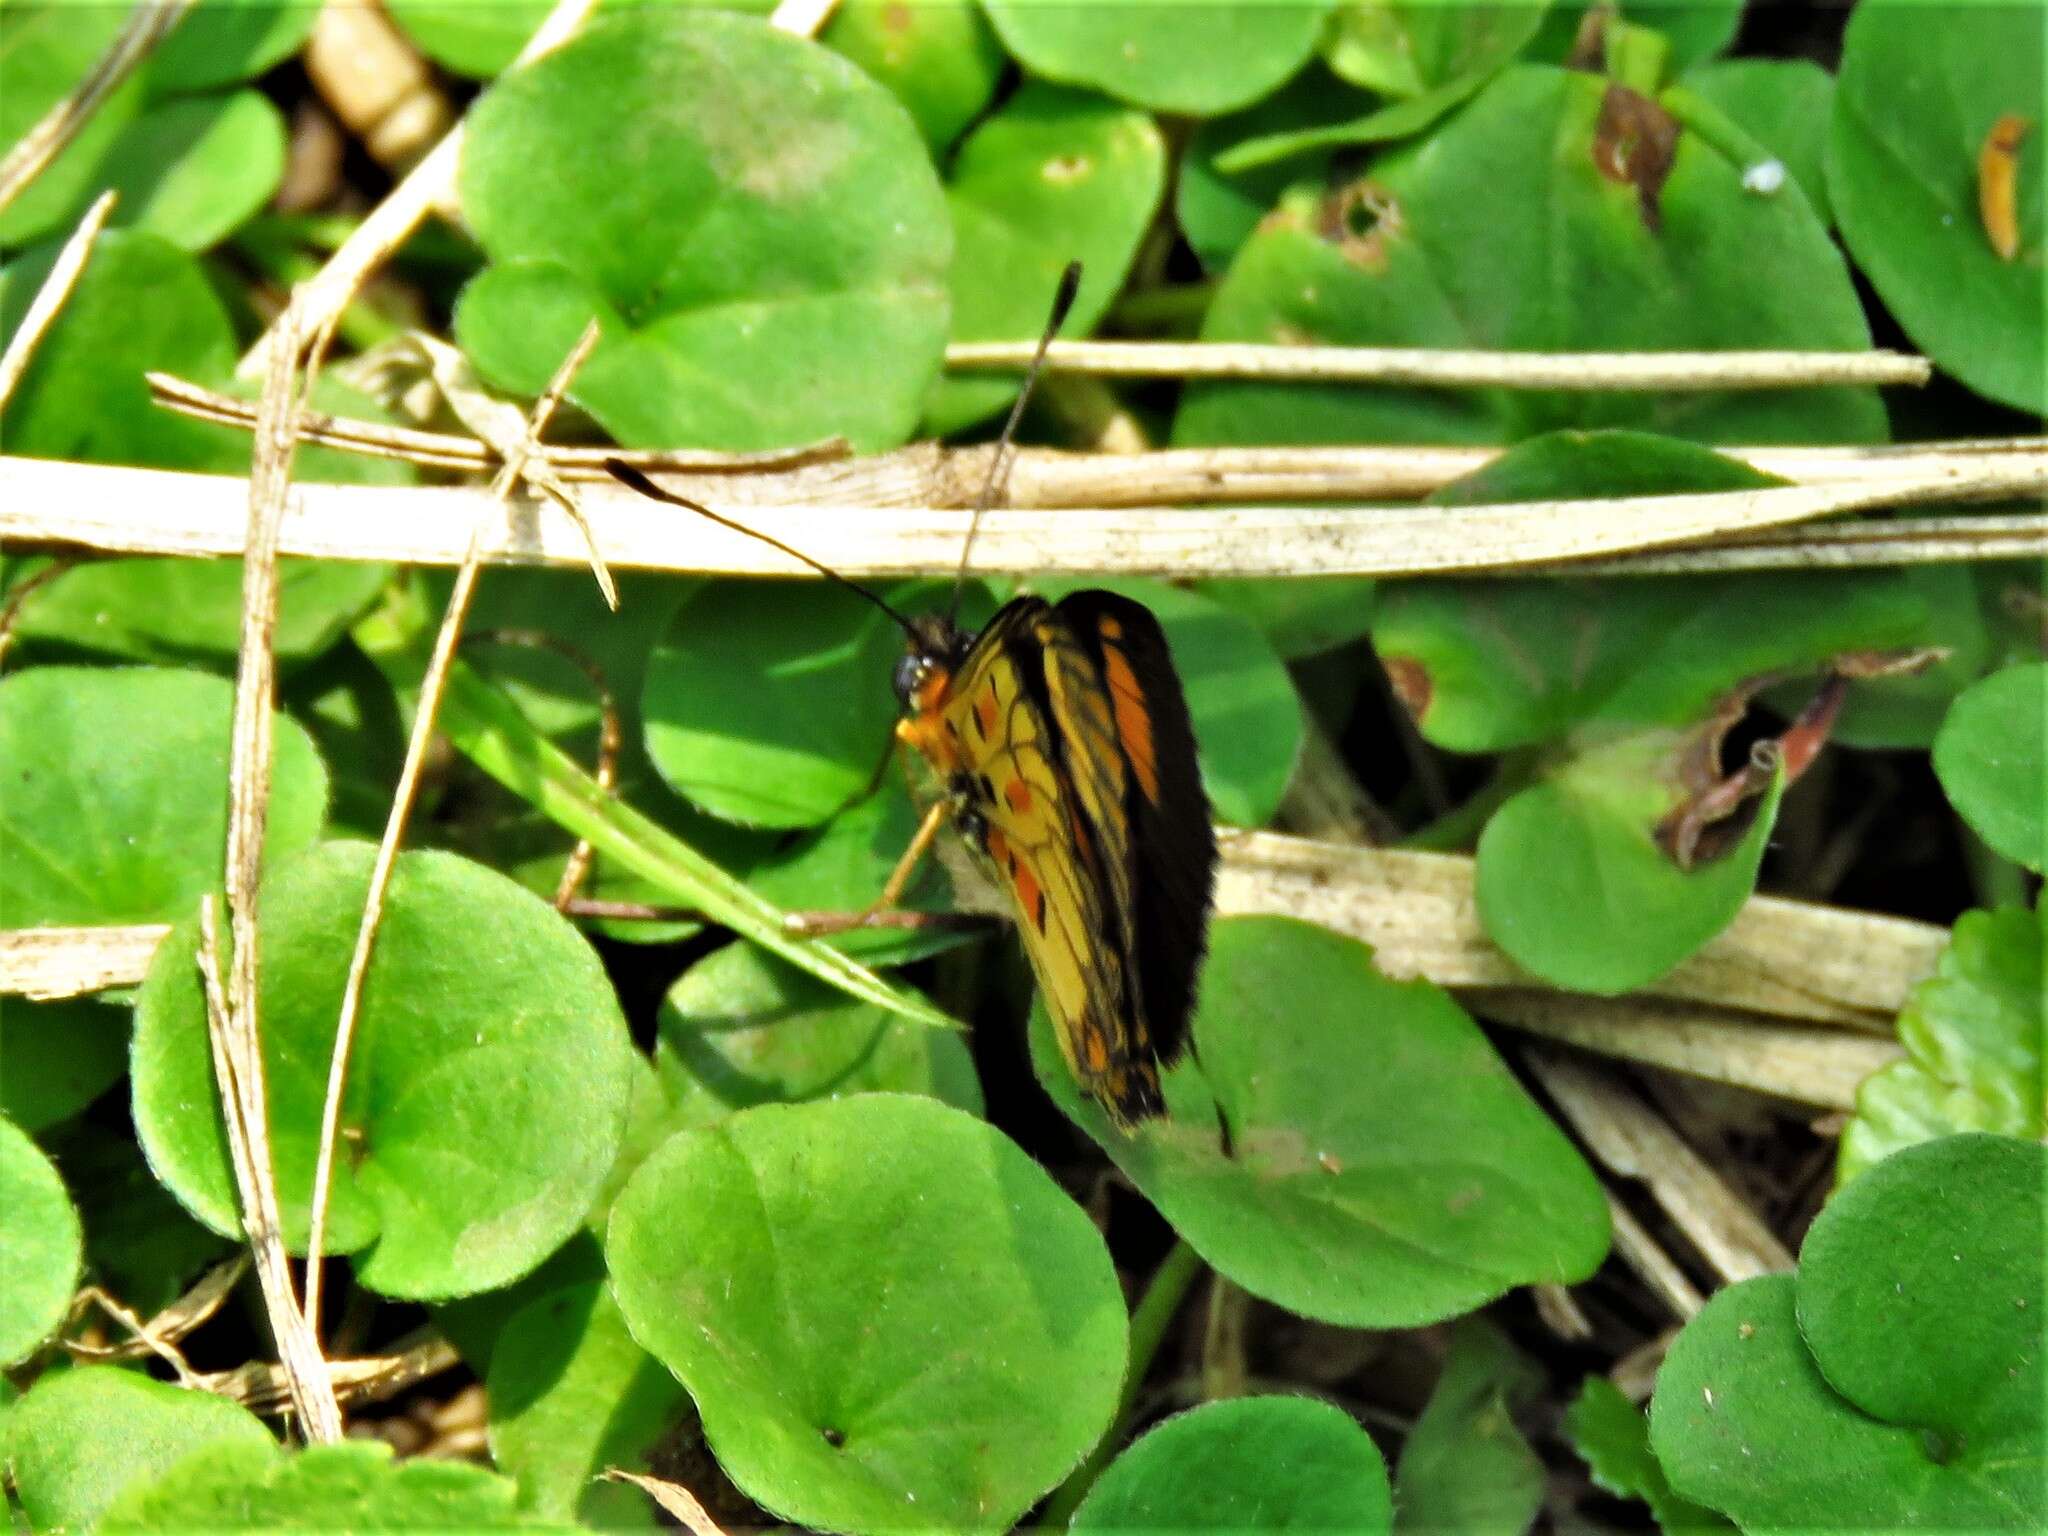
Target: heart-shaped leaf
point(754, 288)
point(487, 1085)
point(890, 1318)
point(1383, 1168)
point(1894, 1383)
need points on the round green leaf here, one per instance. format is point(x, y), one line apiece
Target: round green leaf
point(1972, 1033)
point(939, 57)
point(194, 168)
point(1212, 1469)
point(1896, 1381)
point(742, 1028)
point(1464, 1465)
point(1248, 720)
point(1784, 105)
point(39, 1246)
point(354, 1487)
point(1913, 108)
point(1054, 176)
point(175, 610)
point(45, 51)
point(1991, 756)
point(1384, 1169)
point(116, 804)
point(571, 1394)
point(1166, 55)
point(84, 1436)
point(1501, 230)
point(221, 42)
point(140, 304)
point(767, 703)
point(487, 1086)
point(889, 1316)
point(60, 1057)
point(470, 39)
point(1406, 50)
point(756, 288)
point(1574, 886)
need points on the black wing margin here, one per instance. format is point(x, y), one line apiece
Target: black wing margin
point(1173, 841)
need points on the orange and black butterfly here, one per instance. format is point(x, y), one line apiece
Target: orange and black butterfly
point(1061, 741)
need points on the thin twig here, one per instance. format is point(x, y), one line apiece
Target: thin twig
point(262, 1388)
point(49, 299)
point(148, 24)
point(147, 1339)
point(431, 689)
point(674, 1498)
point(935, 475)
point(119, 510)
point(1446, 369)
point(1634, 1141)
point(189, 1312)
point(430, 185)
point(248, 815)
point(21, 592)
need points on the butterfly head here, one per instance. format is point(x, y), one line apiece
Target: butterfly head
point(936, 649)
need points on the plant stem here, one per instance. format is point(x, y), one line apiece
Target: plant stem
point(1163, 1295)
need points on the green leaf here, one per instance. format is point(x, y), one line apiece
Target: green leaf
point(487, 1085)
point(116, 808)
point(1784, 105)
point(196, 168)
point(1214, 1469)
point(1913, 108)
point(570, 1395)
point(756, 288)
point(1384, 1168)
point(474, 1324)
point(182, 610)
point(1896, 1382)
point(223, 42)
point(1991, 756)
point(354, 1487)
point(1573, 884)
point(45, 50)
point(767, 703)
point(487, 728)
point(1248, 720)
point(39, 1246)
point(1300, 616)
point(1502, 231)
point(1165, 55)
point(741, 1028)
point(1220, 202)
point(1696, 30)
point(1464, 1466)
point(470, 39)
point(140, 304)
point(84, 1436)
point(60, 1057)
point(1054, 176)
point(939, 57)
point(1613, 1435)
point(889, 1316)
point(1973, 1033)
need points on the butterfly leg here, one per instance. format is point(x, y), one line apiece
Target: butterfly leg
point(816, 924)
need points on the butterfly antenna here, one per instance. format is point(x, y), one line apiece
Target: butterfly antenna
point(1062, 301)
point(627, 475)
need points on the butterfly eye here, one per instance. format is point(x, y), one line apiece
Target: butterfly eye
point(909, 671)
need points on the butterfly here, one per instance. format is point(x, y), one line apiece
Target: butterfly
point(1060, 738)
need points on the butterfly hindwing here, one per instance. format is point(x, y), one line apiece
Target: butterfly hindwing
point(1079, 767)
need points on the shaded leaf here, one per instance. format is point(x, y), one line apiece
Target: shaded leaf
point(39, 1246)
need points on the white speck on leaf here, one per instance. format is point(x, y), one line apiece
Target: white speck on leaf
point(1765, 179)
